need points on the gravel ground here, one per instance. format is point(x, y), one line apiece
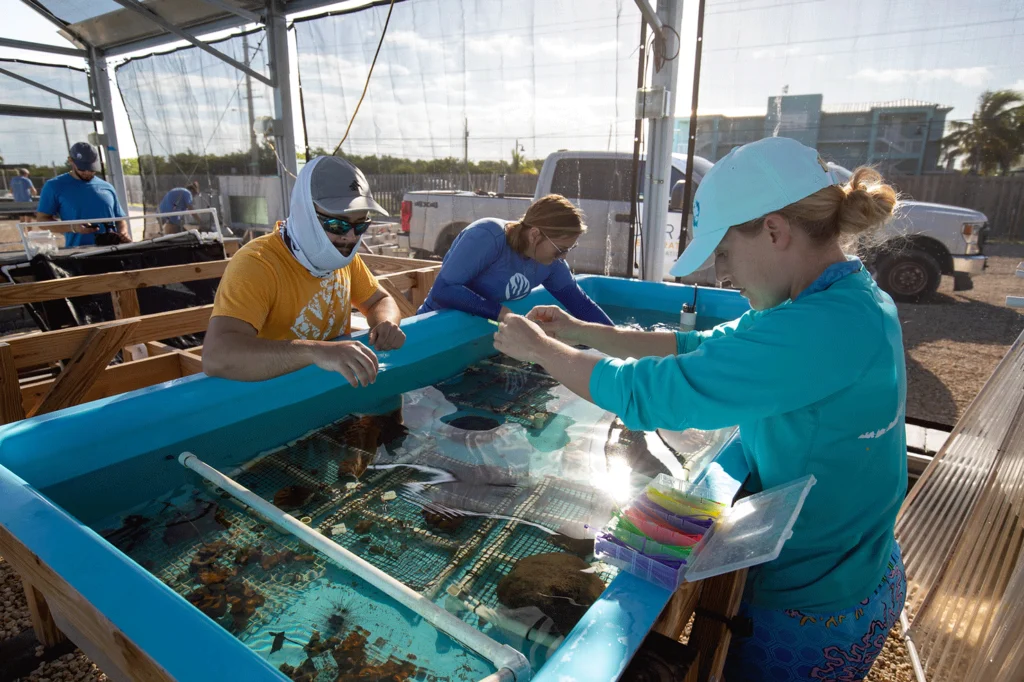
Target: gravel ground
point(953, 342)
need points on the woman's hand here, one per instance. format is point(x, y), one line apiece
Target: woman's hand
point(557, 323)
point(519, 338)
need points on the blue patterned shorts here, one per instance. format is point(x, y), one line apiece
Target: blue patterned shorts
point(798, 645)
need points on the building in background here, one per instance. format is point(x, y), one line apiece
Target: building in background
point(899, 138)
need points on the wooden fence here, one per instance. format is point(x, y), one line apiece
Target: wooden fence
point(1001, 199)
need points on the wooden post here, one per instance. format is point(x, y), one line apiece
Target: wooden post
point(86, 365)
point(424, 280)
point(404, 306)
point(677, 612)
point(720, 595)
point(46, 630)
point(11, 408)
point(129, 660)
point(126, 306)
point(189, 364)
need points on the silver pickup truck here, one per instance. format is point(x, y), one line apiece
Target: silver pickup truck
point(930, 240)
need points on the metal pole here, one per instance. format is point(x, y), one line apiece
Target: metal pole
point(638, 131)
point(101, 89)
point(284, 123)
point(691, 140)
point(254, 161)
point(64, 122)
point(659, 157)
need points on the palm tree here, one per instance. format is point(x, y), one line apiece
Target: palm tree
point(993, 140)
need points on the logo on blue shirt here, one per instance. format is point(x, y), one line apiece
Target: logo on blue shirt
point(518, 287)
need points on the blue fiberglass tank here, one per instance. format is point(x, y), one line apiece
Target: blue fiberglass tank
point(66, 474)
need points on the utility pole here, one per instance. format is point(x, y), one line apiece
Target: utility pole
point(254, 150)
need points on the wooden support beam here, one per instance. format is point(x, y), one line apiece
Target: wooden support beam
point(388, 264)
point(46, 630)
point(159, 348)
point(404, 306)
point(115, 379)
point(69, 287)
point(11, 407)
point(43, 347)
point(720, 595)
point(126, 305)
point(403, 281)
point(189, 364)
point(130, 660)
point(677, 612)
point(86, 365)
point(424, 280)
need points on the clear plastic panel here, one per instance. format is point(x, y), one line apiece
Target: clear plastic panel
point(752, 532)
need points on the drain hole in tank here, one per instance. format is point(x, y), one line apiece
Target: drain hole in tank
point(471, 422)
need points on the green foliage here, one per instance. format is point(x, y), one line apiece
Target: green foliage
point(993, 141)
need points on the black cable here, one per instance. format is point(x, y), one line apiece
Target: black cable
point(659, 59)
point(366, 86)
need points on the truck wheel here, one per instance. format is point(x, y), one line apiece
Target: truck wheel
point(909, 275)
point(447, 238)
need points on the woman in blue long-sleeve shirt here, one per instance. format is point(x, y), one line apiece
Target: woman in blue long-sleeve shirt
point(493, 261)
point(814, 376)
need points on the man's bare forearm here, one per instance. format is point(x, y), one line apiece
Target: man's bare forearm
point(249, 358)
point(384, 310)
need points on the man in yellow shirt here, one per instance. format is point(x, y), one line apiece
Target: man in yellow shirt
point(285, 294)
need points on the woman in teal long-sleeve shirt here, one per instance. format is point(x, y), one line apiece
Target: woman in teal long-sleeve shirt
point(814, 375)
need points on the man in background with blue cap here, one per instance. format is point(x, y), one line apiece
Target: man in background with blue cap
point(814, 376)
point(80, 195)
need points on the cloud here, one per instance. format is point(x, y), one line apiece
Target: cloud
point(971, 76)
point(1018, 86)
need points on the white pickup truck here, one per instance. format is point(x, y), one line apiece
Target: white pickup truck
point(933, 239)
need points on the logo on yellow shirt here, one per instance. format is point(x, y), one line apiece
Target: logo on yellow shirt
point(317, 318)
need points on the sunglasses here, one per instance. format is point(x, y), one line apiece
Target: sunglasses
point(562, 253)
point(342, 226)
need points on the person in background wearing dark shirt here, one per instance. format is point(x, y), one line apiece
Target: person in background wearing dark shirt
point(80, 195)
point(493, 261)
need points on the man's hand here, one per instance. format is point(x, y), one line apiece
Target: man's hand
point(387, 336)
point(350, 359)
point(519, 338)
point(556, 323)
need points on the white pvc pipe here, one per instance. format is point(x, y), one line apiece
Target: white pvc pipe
point(510, 625)
point(915, 660)
point(507, 660)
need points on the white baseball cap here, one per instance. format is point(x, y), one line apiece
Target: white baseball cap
point(750, 182)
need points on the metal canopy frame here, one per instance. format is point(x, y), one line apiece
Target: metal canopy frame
point(272, 18)
point(152, 16)
point(45, 88)
point(40, 47)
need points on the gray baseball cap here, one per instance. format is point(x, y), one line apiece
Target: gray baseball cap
point(338, 186)
point(85, 157)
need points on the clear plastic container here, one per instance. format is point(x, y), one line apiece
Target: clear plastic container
point(41, 241)
point(750, 533)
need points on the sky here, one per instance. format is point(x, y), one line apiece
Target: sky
point(553, 74)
